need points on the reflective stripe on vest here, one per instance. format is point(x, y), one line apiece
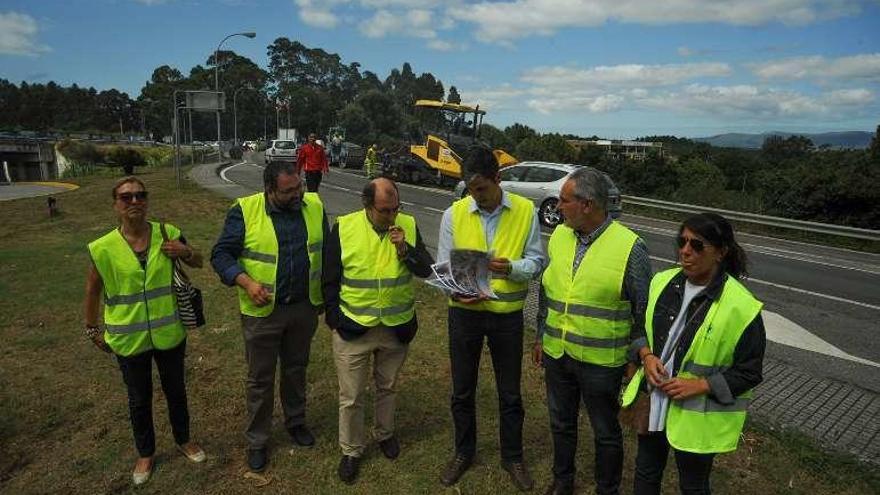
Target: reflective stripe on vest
point(376, 285)
point(259, 258)
point(590, 319)
point(702, 424)
point(140, 309)
point(509, 242)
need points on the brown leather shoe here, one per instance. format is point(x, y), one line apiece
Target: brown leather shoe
point(454, 469)
point(560, 488)
point(519, 475)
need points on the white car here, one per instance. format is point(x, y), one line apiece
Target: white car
point(541, 182)
point(281, 150)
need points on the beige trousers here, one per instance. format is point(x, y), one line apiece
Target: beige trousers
point(352, 367)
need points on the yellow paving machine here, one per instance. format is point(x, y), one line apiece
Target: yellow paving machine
point(437, 154)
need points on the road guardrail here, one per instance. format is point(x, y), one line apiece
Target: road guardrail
point(787, 223)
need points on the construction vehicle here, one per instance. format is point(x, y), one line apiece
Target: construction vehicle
point(438, 153)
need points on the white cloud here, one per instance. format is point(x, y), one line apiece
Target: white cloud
point(862, 66)
point(18, 34)
point(317, 15)
point(416, 23)
point(625, 75)
point(507, 20)
point(746, 101)
point(151, 2)
point(446, 46)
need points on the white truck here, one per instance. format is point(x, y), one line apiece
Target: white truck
point(287, 134)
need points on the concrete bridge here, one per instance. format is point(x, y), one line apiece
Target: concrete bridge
point(24, 159)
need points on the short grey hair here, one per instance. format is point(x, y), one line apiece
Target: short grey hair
point(590, 184)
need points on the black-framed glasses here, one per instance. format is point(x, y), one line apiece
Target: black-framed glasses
point(388, 211)
point(128, 197)
point(696, 244)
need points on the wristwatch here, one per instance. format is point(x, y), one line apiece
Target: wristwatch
point(91, 331)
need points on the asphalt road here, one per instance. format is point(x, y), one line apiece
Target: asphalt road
point(831, 293)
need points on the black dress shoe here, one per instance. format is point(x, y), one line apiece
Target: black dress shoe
point(257, 459)
point(560, 488)
point(301, 436)
point(519, 475)
point(348, 469)
point(390, 447)
point(454, 469)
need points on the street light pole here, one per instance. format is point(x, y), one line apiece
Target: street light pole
point(217, 75)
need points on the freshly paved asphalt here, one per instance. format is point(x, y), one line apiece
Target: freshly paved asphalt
point(831, 293)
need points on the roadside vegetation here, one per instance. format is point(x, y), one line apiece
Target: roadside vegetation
point(64, 419)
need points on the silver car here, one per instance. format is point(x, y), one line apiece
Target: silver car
point(541, 182)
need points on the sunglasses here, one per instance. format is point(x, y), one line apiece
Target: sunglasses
point(128, 197)
point(696, 244)
point(388, 211)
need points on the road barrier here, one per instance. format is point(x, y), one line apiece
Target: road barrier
point(786, 223)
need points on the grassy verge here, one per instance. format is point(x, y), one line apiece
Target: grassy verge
point(64, 420)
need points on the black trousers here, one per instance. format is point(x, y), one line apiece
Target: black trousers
point(568, 383)
point(693, 469)
point(313, 180)
point(281, 340)
point(504, 333)
point(137, 372)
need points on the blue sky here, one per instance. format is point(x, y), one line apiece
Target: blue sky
point(615, 68)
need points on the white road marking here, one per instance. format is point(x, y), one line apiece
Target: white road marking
point(786, 332)
point(770, 251)
point(431, 208)
point(788, 287)
point(223, 172)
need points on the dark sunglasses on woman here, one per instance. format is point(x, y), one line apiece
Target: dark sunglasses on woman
point(696, 244)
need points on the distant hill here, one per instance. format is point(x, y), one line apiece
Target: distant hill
point(846, 139)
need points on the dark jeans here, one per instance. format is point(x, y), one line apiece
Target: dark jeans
point(568, 382)
point(313, 180)
point(693, 469)
point(137, 372)
point(504, 333)
point(284, 336)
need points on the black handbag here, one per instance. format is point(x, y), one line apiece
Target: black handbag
point(190, 307)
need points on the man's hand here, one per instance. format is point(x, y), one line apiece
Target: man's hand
point(500, 266)
point(258, 294)
point(398, 238)
point(538, 354)
point(685, 388)
point(654, 370)
point(468, 299)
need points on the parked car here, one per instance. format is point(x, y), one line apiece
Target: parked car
point(541, 182)
point(281, 150)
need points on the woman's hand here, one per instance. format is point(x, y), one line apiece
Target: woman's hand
point(175, 249)
point(685, 388)
point(654, 370)
point(538, 354)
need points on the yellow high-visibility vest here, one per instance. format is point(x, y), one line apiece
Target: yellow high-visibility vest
point(587, 317)
point(376, 286)
point(701, 424)
point(140, 308)
point(259, 258)
point(509, 242)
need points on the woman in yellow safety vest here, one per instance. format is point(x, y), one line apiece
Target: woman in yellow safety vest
point(131, 270)
point(702, 355)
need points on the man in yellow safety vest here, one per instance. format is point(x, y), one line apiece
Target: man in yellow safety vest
point(270, 249)
point(503, 224)
point(370, 258)
point(593, 298)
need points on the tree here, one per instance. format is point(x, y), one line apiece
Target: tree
point(519, 132)
point(127, 158)
point(453, 96)
point(874, 148)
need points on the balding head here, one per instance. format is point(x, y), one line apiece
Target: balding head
point(381, 200)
